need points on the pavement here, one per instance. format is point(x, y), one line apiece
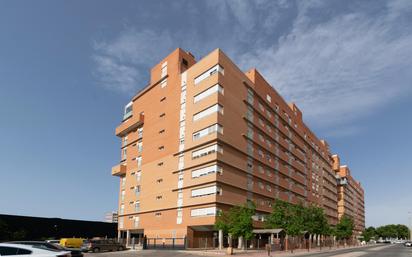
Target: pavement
point(364, 251)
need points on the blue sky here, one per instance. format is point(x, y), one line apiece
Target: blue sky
point(67, 68)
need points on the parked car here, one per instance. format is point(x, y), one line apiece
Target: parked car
point(75, 252)
point(72, 242)
point(53, 241)
point(25, 250)
point(97, 245)
point(408, 244)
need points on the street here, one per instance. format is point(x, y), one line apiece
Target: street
point(370, 251)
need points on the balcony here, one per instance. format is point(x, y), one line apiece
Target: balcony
point(129, 125)
point(119, 170)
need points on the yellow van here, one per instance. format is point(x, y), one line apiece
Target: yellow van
point(71, 242)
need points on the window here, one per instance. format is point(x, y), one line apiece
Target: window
point(262, 109)
point(140, 132)
point(208, 73)
point(212, 109)
point(164, 70)
point(138, 176)
point(121, 209)
point(139, 147)
point(137, 190)
point(139, 162)
point(137, 206)
point(124, 141)
point(207, 131)
point(124, 154)
point(122, 195)
point(269, 98)
point(210, 211)
point(121, 219)
point(261, 171)
point(268, 188)
point(211, 190)
point(260, 184)
point(206, 151)
point(208, 92)
point(260, 153)
point(6, 250)
point(136, 222)
point(206, 170)
point(163, 83)
point(123, 180)
point(128, 110)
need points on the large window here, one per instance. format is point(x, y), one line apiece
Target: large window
point(205, 171)
point(208, 111)
point(128, 110)
point(210, 211)
point(211, 190)
point(207, 131)
point(206, 151)
point(211, 90)
point(209, 73)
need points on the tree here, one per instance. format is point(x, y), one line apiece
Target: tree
point(392, 231)
point(4, 231)
point(344, 228)
point(238, 221)
point(287, 216)
point(368, 234)
point(315, 221)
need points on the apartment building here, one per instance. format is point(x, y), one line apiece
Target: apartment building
point(204, 136)
point(350, 196)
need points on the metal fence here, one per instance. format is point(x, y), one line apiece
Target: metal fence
point(164, 243)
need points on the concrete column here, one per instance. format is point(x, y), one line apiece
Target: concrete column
point(240, 242)
point(127, 237)
point(220, 239)
point(119, 235)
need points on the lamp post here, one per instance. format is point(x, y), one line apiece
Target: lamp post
point(410, 225)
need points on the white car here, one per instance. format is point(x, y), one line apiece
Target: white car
point(33, 251)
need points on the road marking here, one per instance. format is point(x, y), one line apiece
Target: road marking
point(379, 248)
point(352, 254)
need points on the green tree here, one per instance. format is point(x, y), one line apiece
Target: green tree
point(369, 233)
point(4, 231)
point(237, 222)
point(316, 221)
point(287, 216)
point(392, 231)
point(344, 228)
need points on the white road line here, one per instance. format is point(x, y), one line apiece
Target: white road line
point(352, 254)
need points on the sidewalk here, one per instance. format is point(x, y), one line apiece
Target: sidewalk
point(262, 253)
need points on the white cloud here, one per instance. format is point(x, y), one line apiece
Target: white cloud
point(337, 67)
point(340, 69)
point(119, 62)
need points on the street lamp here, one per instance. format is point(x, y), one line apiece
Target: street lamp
point(410, 225)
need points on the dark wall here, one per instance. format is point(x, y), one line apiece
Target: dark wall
point(33, 228)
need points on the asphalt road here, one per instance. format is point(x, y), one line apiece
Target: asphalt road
point(372, 251)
